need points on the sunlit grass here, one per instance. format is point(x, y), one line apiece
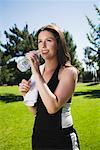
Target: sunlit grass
point(16, 122)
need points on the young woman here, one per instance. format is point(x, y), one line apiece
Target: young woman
point(53, 128)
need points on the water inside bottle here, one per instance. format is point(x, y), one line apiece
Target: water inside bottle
point(23, 64)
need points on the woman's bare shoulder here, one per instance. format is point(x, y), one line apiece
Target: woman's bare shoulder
point(68, 71)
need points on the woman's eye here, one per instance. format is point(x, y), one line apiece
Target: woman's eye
point(39, 42)
point(49, 40)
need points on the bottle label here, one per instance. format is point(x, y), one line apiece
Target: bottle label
point(23, 64)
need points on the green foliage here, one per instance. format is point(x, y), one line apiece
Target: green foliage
point(72, 50)
point(87, 76)
point(92, 53)
point(18, 43)
point(16, 122)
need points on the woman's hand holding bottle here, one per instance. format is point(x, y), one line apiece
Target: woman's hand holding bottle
point(25, 62)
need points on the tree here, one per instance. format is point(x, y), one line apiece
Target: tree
point(18, 43)
point(92, 53)
point(72, 50)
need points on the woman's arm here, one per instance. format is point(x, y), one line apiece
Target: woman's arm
point(54, 101)
point(24, 87)
point(67, 81)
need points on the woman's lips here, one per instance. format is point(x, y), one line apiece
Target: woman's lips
point(45, 51)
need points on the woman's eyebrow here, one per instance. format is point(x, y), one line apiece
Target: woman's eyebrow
point(46, 38)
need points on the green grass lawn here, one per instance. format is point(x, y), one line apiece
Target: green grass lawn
point(16, 122)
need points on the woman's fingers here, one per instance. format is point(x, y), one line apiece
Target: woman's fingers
point(26, 82)
point(24, 86)
point(32, 56)
point(34, 61)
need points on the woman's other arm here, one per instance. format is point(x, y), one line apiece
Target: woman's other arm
point(24, 87)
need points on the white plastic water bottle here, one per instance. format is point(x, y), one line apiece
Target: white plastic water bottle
point(23, 64)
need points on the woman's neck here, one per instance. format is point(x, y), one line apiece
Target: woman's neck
point(50, 65)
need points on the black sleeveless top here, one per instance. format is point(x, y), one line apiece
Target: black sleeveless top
point(47, 131)
point(45, 121)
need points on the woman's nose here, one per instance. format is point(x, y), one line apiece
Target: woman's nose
point(44, 44)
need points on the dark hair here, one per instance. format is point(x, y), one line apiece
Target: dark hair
point(63, 55)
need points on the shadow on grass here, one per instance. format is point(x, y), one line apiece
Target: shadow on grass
point(7, 98)
point(10, 98)
point(90, 94)
point(92, 84)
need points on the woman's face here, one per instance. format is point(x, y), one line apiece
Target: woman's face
point(47, 44)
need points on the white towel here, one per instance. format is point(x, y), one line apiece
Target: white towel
point(31, 96)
